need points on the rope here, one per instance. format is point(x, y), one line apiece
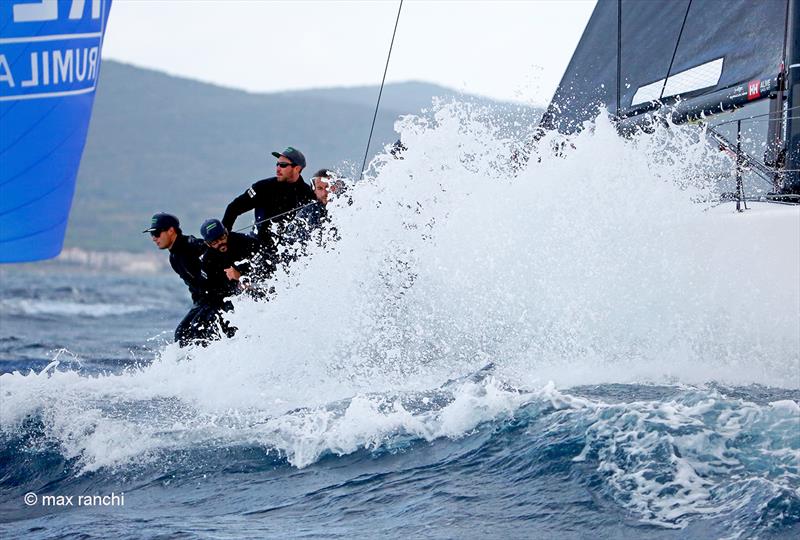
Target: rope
point(776, 114)
point(619, 56)
point(276, 216)
point(378, 104)
point(762, 171)
point(675, 51)
point(371, 129)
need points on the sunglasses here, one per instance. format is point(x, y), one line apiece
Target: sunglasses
point(156, 233)
point(284, 164)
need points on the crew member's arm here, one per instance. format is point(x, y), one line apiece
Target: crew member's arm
point(238, 206)
point(214, 286)
point(197, 285)
point(255, 257)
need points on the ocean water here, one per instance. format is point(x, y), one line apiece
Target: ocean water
point(584, 346)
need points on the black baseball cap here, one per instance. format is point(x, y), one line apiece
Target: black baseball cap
point(162, 222)
point(211, 229)
point(293, 155)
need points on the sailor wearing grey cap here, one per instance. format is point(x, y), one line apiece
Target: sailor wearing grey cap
point(273, 199)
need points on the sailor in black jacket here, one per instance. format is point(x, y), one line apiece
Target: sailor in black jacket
point(229, 263)
point(273, 199)
point(184, 258)
point(312, 222)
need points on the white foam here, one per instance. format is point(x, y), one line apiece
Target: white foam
point(669, 462)
point(24, 306)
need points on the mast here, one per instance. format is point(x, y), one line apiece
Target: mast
point(792, 179)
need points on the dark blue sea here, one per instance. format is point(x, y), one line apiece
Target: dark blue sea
point(607, 358)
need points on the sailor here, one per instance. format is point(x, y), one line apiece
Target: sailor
point(322, 183)
point(397, 149)
point(228, 266)
point(184, 257)
point(273, 199)
point(313, 217)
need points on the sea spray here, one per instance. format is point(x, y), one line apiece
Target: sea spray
point(604, 259)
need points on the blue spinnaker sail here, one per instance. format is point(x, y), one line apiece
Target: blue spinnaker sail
point(49, 68)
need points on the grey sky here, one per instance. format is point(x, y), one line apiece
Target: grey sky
point(503, 49)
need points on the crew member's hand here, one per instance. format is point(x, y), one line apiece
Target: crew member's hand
point(233, 274)
point(244, 283)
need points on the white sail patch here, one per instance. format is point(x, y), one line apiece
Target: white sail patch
point(703, 76)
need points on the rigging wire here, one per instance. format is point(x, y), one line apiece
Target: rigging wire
point(619, 56)
point(371, 129)
point(776, 114)
point(675, 51)
point(276, 216)
point(383, 81)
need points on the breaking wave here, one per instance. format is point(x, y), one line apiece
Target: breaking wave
point(19, 306)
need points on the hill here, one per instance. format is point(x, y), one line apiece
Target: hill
point(163, 143)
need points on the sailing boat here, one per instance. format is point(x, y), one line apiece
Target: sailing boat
point(732, 65)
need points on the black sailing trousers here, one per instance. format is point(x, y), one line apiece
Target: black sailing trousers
point(204, 323)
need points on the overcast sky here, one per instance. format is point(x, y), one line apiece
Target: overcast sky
point(511, 50)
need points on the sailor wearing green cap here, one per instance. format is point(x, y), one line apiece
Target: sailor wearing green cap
point(184, 257)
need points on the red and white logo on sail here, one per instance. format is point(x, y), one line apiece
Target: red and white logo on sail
point(753, 89)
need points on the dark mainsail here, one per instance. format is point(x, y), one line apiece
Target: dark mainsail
point(694, 58)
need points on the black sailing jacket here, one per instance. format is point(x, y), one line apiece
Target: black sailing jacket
point(245, 253)
point(269, 198)
point(184, 258)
